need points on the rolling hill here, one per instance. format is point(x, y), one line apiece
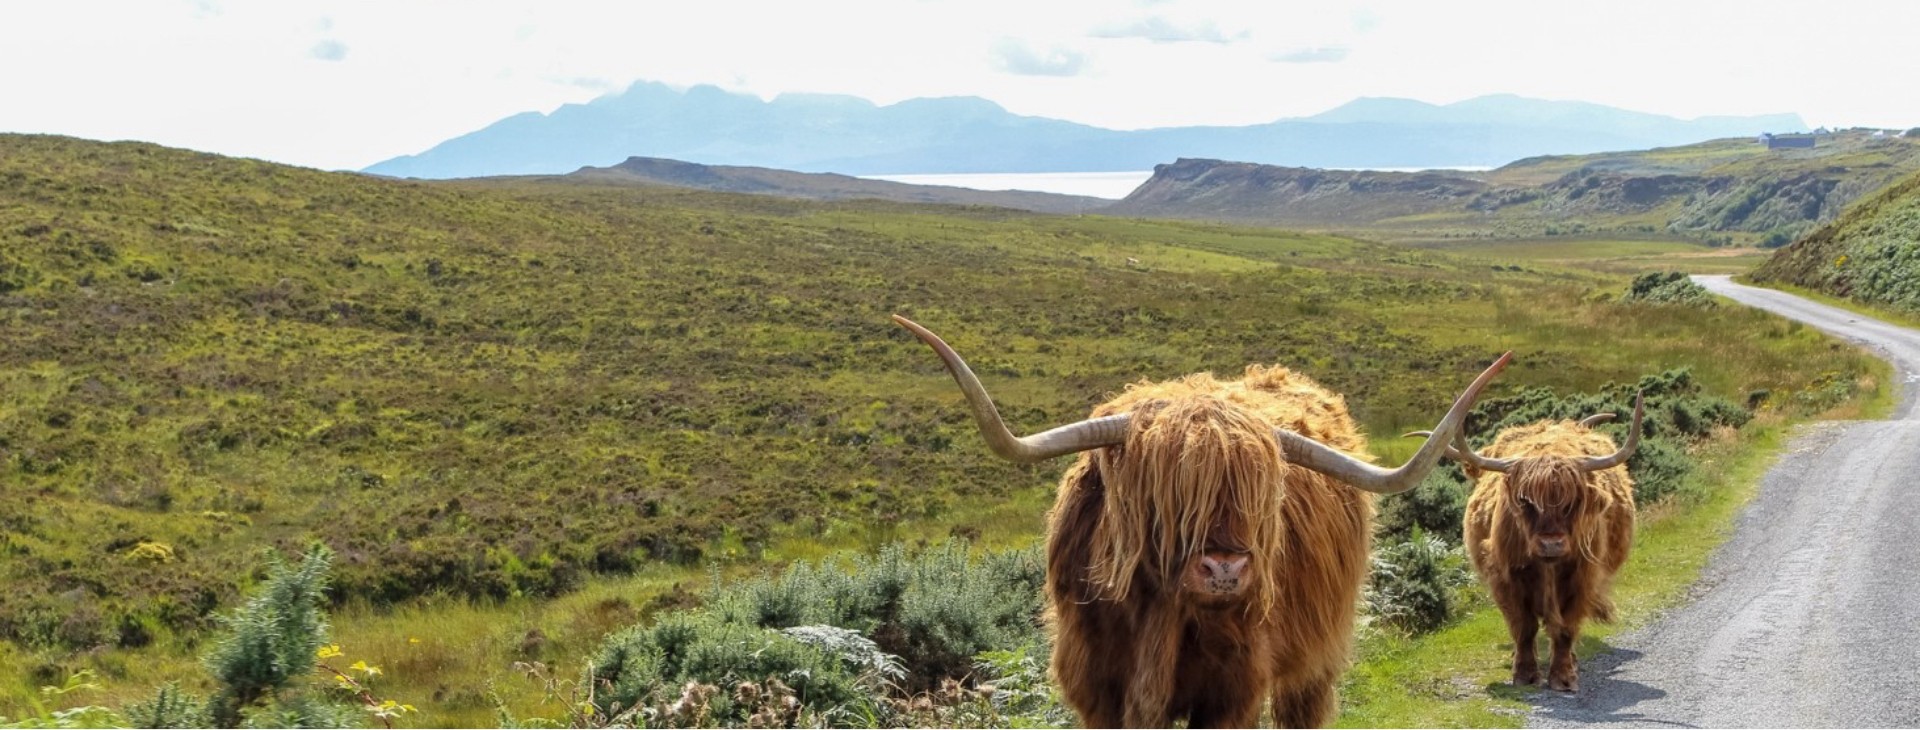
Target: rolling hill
point(1870, 255)
point(1731, 190)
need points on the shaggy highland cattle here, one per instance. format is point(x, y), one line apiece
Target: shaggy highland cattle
point(1549, 523)
point(1206, 550)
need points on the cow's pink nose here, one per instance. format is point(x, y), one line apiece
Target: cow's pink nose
point(1222, 567)
point(1553, 546)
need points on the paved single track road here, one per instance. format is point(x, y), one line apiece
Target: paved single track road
point(1809, 616)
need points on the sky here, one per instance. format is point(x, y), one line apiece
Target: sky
point(342, 85)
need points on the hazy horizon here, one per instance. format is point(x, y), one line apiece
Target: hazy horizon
point(342, 86)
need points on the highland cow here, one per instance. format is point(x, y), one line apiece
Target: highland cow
point(1549, 524)
point(1206, 550)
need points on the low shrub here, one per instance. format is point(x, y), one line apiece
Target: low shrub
point(1414, 581)
point(841, 635)
point(1668, 287)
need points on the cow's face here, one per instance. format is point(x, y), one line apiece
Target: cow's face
point(1548, 526)
point(1192, 500)
point(1546, 501)
point(1224, 569)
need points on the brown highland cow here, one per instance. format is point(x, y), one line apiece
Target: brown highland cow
point(1206, 550)
point(1549, 523)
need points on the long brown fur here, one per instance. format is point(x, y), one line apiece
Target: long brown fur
point(1130, 650)
point(1558, 595)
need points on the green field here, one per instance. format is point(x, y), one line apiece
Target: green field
point(519, 413)
point(1613, 255)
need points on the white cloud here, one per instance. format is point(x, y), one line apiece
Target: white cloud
point(1325, 54)
point(328, 50)
point(1016, 57)
point(1159, 29)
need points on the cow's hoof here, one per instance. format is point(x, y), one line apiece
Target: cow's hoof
point(1526, 677)
point(1564, 684)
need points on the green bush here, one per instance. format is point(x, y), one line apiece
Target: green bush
point(1435, 507)
point(1668, 287)
point(1414, 580)
point(169, 708)
point(935, 609)
point(650, 668)
point(272, 639)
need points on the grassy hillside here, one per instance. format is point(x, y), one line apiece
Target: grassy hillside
point(485, 395)
point(1729, 191)
point(1870, 255)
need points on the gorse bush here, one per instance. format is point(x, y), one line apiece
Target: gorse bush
point(841, 635)
point(1436, 507)
point(1414, 581)
point(1668, 287)
point(935, 609)
point(643, 672)
point(273, 639)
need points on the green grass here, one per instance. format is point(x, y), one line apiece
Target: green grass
point(1609, 254)
point(519, 412)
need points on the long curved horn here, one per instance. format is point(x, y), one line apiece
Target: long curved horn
point(1596, 463)
point(1071, 438)
point(1596, 419)
point(1474, 459)
point(1332, 462)
point(1452, 451)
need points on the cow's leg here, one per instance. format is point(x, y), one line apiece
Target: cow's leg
point(1564, 672)
point(1305, 704)
point(1563, 625)
point(1526, 664)
point(1232, 704)
point(1155, 664)
point(1523, 623)
point(1091, 674)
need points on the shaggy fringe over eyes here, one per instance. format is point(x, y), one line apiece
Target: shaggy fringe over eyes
point(1183, 463)
point(1552, 482)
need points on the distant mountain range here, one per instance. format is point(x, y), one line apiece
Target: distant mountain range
point(849, 135)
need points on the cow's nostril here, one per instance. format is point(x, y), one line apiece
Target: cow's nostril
point(1223, 566)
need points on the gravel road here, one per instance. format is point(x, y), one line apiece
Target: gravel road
point(1809, 616)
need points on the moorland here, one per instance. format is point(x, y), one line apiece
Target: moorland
point(525, 415)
